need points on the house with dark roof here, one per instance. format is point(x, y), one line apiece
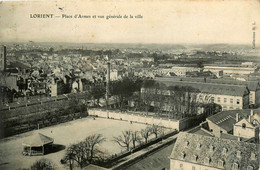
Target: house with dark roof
point(228, 96)
point(243, 124)
point(199, 152)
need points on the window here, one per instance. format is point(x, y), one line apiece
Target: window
point(181, 165)
point(194, 157)
point(231, 100)
point(199, 146)
point(235, 166)
point(211, 148)
point(207, 160)
point(238, 101)
point(225, 100)
point(187, 143)
point(238, 153)
point(220, 163)
point(212, 99)
point(218, 99)
point(193, 167)
point(224, 151)
point(243, 125)
point(253, 157)
point(183, 155)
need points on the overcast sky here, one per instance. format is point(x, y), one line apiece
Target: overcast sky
point(204, 21)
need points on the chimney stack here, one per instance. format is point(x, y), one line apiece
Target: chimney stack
point(108, 82)
point(252, 112)
point(237, 117)
point(249, 118)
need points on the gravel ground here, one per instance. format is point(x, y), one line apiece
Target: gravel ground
point(64, 134)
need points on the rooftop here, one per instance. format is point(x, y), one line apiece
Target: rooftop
point(211, 88)
point(212, 149)
point(226, 119)
point(251, 85)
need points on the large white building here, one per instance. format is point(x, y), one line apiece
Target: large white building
point(228, 96)
point(230, 70)
point(253, 86)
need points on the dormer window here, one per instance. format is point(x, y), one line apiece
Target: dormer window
point(199, 146)
point(220, 163)
point(235, 166)
point(194, 158)
point(250, 168)
point(187, 143)
point(239, 154)
point(224, 151)
point(211, 148)
point(183, 155)
point(207, 160)
point(253, 157)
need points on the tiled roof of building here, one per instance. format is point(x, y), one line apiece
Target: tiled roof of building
point(209, 151)
point(251, 85)
point(210, 88)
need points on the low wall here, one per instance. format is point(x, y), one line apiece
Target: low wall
point(168, 123)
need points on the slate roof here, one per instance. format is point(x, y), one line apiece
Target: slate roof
point(251, 85)
point(38, 140)
point(206, 142)
point(210, 88)
point(226, 119)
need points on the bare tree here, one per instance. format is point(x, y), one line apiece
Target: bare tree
point(76, 153)
point(135, 137)
point(156, 129)
point(145, 133)
point(91, 142)
point(124, 140)
point(85, 152)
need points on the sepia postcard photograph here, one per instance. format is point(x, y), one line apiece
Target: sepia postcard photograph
point(129, 85)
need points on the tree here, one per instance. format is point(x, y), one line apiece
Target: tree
point(145, 133)
point(135, 137)
point(91, 142)
point(43, 164)
point(156, 129)
point(85, 152)
point(124, 140)
point(200, 64)
point(97, 91)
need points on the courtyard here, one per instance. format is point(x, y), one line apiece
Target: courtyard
point(11, 148)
